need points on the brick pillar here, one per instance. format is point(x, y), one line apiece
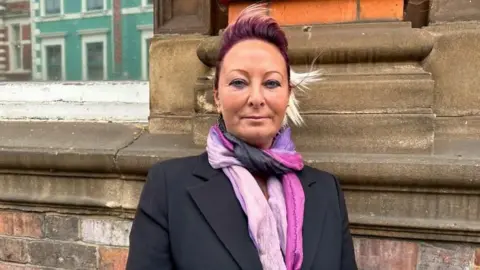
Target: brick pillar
point(117, 37)
point(3, 38)
point(300, 12)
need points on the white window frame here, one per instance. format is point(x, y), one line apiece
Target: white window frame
point(145, 35)
point(43, 9)
point(11, 47)
point(94, 39)
point(50, 42)
point(145, 4)
point(84, 7)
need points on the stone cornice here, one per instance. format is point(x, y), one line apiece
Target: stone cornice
point(344, 43)
point(102, 166)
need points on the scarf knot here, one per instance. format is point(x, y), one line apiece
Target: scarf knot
point(275, 224)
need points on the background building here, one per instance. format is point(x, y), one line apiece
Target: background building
point(15, 44)
point(91, 39)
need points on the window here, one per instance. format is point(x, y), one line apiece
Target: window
point(95, 61)
point(95, 5)
point(94, 57)
point(52, 7)
point(146, 37)
point(53, 59)
point(16, 47)
point(147, 2)
point(54, 62)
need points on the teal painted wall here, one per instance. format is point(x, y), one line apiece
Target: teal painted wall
point(131, 3)
point(132, 43)
point(130, 69)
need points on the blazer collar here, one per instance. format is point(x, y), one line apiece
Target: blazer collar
point(216, 200)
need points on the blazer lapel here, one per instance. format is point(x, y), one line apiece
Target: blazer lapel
point(217, 201)
point(314, 214)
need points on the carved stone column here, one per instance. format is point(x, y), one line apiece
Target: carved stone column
point(179, 27)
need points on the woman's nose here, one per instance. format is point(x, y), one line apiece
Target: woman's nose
point(256, 98)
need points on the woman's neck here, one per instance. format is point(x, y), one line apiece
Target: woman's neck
point(262, 183)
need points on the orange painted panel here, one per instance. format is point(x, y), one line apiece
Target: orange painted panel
point(381, 9)
point(310, 11)
point(234, 10)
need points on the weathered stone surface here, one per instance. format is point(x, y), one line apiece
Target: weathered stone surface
point(13, 250)
point(61, 227)
point(357, 133)
point(450, 11)
point(349, 43)
point(414, 212)
point(21, 224)
point(113, 258)
point(106, 232)
point(454, 63)
point(63, 255)
point(159, 124)
point(173, 72)
point(382, 254)
point(10, 266)
point(62, 190)
point(466, 127)
point(63, 146)
point(359, 88)
point(151, 148)
point(443, 256)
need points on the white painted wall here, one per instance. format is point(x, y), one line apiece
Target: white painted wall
point(119, 101)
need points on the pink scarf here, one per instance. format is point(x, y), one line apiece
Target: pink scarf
point(275, 225)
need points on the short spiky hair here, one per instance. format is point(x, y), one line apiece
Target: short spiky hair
point(253, 23)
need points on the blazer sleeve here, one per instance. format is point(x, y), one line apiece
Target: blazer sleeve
point(348, 253)
point(149, 237)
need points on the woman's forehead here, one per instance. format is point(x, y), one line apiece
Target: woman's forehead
point(254, 54)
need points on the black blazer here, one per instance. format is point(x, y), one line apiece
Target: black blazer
point(189, 218)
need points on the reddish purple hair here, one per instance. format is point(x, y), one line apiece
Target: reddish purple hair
point(253, 23)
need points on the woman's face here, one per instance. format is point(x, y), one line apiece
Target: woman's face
point(253, 91)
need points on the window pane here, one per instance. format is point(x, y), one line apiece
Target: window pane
point(16, 33)
point(95, 61)
point(52, 7)
point(16, 47)
point(54, 62)
point(94, 4)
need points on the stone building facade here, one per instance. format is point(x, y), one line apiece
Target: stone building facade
point(396, 118)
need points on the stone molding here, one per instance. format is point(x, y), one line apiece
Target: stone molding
point(68, 166)
point(344, 43)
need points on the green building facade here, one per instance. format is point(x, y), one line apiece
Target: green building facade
point(91, 39)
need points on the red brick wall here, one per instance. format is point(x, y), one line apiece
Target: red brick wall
point(26, 32)
point(18, 7)
point(53, 240)
point(69, 242)
point(117, 32)
point(27, 56)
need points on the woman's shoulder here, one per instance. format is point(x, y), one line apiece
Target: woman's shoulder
point(327, 180)
point(180, 164)
point(317, 173)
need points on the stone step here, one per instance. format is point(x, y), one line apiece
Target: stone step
point(353, 88)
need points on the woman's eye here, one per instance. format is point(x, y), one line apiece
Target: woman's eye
point(272, 84)
point(238, 83)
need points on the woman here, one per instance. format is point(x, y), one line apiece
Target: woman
point(248, 202)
